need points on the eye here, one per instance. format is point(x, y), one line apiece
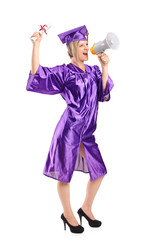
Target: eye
point(82, 45)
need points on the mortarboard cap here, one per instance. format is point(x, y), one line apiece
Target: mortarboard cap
point(75, 34)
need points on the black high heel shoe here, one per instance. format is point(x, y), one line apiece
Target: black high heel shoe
point(92, 223)
point(73, 229)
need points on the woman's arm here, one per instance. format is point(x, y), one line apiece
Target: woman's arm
point(35, 52)
point(103, 57)
point(35, 59)
point(104, 76)
point(105, 83)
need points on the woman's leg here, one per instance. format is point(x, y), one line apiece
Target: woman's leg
point(63, 189)
point(92, 188)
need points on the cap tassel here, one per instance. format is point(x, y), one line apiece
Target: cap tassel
point(87, 36)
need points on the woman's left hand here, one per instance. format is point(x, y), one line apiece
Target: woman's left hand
point(103, 58)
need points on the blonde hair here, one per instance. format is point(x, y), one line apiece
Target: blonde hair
point(72, 49)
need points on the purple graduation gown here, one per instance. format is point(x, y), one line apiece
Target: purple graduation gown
point(81, 91)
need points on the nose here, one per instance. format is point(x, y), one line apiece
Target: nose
point(86, 47)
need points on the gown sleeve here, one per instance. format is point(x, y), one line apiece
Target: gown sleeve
point(103, 96)
point(46, 80)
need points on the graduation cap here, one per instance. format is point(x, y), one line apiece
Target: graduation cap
point(75, 34)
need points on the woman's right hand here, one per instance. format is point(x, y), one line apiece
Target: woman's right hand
point(38, 35)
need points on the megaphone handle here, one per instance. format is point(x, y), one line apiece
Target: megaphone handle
point(105, 62)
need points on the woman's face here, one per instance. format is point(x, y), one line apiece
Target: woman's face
point(82, 50)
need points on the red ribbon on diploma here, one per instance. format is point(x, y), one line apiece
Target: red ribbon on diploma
point(43, 28)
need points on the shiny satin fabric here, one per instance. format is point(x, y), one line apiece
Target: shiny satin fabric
point(82, 90)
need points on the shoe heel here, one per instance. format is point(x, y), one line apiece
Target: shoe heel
point(64, 225)
point(80, 219)
point(80, 216)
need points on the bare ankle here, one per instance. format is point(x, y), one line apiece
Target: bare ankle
point(86, 207)
point(68, 213)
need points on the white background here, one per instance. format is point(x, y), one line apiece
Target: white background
point(127, 132)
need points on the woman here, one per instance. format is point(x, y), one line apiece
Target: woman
point(73, 146)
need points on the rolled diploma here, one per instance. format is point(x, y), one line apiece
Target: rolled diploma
point(34, 38)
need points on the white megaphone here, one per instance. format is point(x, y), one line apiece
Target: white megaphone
point(111, 41)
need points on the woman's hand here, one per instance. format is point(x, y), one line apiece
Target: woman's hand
point(38, 35)
point(103, 58)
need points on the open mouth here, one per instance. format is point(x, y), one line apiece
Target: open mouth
point(86, 54)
